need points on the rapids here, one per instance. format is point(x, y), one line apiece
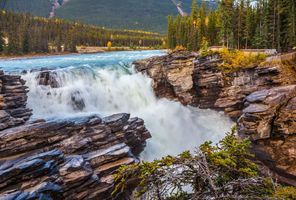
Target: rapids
point(106, 84)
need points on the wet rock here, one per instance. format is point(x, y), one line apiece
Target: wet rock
point(13, 98)
point(77, 101)
point(116, 122)
point(48, 78)
point(68, 159)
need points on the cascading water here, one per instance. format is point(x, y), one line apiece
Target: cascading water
point(97, 84)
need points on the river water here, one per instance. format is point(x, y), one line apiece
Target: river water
point(107, 84)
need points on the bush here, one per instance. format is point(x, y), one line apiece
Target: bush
point(234, 60)
point(223, 171)
point(287, 193)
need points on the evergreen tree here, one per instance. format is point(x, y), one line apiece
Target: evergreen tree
point(248, 24)
point(292, 23)
point(2, 42)
point(240, 24)
point(171, 33)
point(213, 28)
point(44, 34)
point(202, 22)
point(13, 43)
point(226, 15)
point(25, 44)
point(194, 11)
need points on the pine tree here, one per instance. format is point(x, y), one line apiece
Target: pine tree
point(2, 42)
point(202, 22)
point(194, 11)
point(25, 43)
point(171, 33)
point(248, 22)
point(13, 43)
point(292, 23)
point(179, 30)
point(226, 15)
point(213, 28)
point(272, 22)
point(240, 23)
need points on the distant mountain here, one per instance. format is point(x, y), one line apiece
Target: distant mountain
point(148, 15)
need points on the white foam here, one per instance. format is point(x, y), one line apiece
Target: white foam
point(174, 127)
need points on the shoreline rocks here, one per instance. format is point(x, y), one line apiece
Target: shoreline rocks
point(260, 99)
point(68, 159)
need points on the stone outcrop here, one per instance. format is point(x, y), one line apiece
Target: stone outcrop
point(261, 99)
point(205, 85)
point(68, 159)
point(13, 99)
point(269, 120)
point(170, 80)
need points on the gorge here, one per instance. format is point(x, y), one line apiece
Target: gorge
point(73, 142)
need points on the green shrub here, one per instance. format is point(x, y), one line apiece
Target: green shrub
point(222, 171)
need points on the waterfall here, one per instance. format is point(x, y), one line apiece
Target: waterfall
point(107, 88)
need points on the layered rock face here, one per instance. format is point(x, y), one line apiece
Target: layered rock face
point(270, 121)
point(13, 98)
point(69, 159)
point(260, 99)
point(62, 159)
point(171, 80)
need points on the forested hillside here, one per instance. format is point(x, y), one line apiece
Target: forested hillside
point(237, 24)
point(150, 15)
point(27, 34)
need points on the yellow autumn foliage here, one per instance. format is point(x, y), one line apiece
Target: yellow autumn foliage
point(234, 60)
point(109, 45)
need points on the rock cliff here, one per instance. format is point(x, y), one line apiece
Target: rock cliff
point(261, 99)
point(13, 98)
point(62, 159)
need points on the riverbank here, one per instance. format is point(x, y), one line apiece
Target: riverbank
point(80, 50)
point(33, 55)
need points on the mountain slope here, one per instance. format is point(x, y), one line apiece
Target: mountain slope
point(148, 15)
point(131, 14)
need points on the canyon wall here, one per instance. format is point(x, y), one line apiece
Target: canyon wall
point(261, 99)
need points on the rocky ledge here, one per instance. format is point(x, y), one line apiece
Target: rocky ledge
point(261, 99)
point(13, 99)
point(62, 159)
